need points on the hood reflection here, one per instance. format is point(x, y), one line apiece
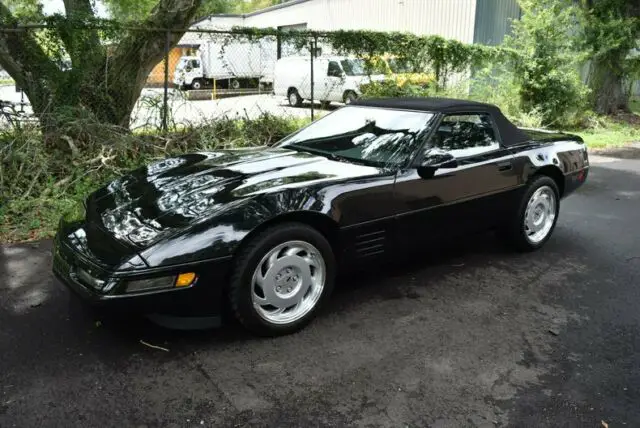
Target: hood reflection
point(173, 194)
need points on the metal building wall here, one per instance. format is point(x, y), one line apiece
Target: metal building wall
point(493, 20)
point(448, 18)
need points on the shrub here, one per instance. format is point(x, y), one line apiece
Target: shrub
point(545, 61)
point(40, 184)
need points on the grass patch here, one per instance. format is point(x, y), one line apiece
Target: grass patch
point(41, 184)
point(612, 135)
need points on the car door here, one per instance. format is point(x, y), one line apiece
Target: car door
point(470, 191)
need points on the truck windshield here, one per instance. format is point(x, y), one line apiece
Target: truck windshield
point(353, 67)
point(181, 64)
point(367, 135)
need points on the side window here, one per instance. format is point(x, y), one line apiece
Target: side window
point(195, 63)
point(465, 135)
point(334, 69)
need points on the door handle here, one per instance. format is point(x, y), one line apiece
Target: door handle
point(504, 166)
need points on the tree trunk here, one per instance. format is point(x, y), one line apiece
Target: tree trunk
point(607, 86)
point(101, 87)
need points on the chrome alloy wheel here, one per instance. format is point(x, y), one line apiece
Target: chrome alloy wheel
point(540, 214)
point(288, 282)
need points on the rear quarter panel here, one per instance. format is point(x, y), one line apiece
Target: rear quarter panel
point(565, 155)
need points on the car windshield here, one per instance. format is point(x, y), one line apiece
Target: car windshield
point(353, 67)
point(367, 135)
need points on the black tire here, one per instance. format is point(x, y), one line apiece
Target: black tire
point(294, 98)
point(197, 84)
point(349, 97)
point(515, 232)
point(325, 105)
point(235, 84)
point(240, 286)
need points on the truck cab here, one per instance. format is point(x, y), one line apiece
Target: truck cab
point(189, 73)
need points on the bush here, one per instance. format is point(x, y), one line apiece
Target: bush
point(41, 183)
point(545, 61)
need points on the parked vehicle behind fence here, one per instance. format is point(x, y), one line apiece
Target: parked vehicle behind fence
point(234, 65)
point(336, 79)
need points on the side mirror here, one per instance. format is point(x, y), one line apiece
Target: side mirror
point(434, 160)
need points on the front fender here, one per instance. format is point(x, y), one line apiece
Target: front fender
point(220, 236)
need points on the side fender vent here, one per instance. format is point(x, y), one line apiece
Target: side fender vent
point(370, 244)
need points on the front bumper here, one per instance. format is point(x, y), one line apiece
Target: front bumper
point(201, 299)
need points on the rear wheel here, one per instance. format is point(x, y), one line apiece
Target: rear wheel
point(235, 84)
point(325, 105)
point(294, 98)
point(536, 216)
point(281, 279)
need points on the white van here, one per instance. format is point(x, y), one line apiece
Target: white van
point(335, 79)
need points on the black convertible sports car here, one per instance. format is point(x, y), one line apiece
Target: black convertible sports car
point(260, 232)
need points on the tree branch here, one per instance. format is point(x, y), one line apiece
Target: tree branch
point(140, 51)
point(24, 59)
point(83, 45)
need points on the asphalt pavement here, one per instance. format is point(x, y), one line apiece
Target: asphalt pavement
point(469, 336)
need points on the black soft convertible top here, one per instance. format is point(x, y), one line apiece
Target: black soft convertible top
point(509, 133)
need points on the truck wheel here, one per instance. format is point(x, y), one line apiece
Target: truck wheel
point(294, 98)
point(349, 97)
point(325, 105)
point(235, 84)
point(196, 84)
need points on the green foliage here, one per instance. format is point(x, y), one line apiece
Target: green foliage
point(138, 10)
point(40, 184)
point(544, 59)
point(612, 28)
point(24, 10)
point(610, 33)
point(422, 54)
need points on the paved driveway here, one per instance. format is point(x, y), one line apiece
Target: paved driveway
point(474, 336)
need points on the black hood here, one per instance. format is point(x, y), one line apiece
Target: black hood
point(170, 195)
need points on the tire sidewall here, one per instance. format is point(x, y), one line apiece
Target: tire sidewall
point(241, 289)
point(298, 100)
point(520, 233)
point(349, 97)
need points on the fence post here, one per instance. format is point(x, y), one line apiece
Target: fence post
point(165, 101)
point(313, 44)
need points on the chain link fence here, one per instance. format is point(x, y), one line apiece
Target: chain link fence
point(212, 75)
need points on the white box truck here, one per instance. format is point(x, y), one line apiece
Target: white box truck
point(336, 78)
point(232, 65)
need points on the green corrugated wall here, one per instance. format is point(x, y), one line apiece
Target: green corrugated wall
point(493, 20)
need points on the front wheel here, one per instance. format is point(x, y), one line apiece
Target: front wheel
point(350, 97)
point(536, 216)
point(281, 279)
point(197, 84)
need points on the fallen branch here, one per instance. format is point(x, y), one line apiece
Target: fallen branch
point(154, 346)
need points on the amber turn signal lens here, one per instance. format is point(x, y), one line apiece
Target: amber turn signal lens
point(185, 279)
